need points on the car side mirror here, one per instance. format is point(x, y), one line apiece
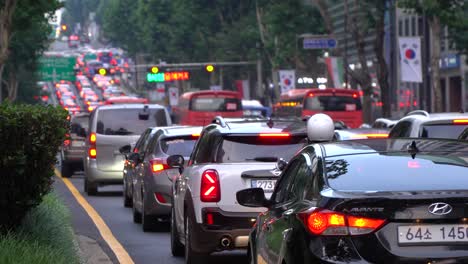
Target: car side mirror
point(281, 164)
point(176, 161)
point(125, 149)
point(253, 197)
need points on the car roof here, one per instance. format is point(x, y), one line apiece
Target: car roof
point(181, 130)
point(366, 146)
point(130, 106)
point(262, 125)
point(425, 117)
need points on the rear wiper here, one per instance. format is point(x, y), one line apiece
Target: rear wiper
point(265, 159)
point(120, 132)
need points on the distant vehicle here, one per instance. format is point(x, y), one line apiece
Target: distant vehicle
point(340, 104)
point(231, 154)
point(199, 108)
point(126, 100)
point(366, 201)
point(92, 67)
point(152, 179)
point(73, 41)
point(74, 148)
point(110, 127)
point(252, 108)
point(420, 123)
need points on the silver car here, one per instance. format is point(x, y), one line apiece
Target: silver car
point(111, 127)
point(152, 178)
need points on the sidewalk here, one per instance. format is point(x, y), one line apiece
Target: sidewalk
point(90, 252)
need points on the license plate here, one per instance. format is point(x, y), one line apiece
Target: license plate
point(266, 185)
point(78, 143)
point(432, 234)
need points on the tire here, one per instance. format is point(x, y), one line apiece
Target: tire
point(66, 170)
point(127, 201)
point(91, 188)
point(177, 248)
point(191, 257)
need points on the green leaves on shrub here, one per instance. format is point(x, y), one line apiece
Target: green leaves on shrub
point(30, 138)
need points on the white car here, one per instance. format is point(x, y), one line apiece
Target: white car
point(230, 155)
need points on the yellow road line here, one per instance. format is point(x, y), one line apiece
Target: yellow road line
point(119, 251)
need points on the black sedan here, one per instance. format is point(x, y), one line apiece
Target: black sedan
point(366, 201)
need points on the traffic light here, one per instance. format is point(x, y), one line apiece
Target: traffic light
point(209, 68)
point(154, 69)
point(64, 27)
point(102, 71)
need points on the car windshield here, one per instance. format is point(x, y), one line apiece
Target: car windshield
point(129, 121)
point(427, 171)
point(442, 131)
point(332, 103)
point(178, 146)
point(219, 104)
point(252, 149)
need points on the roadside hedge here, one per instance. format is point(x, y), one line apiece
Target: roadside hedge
point(30, 138)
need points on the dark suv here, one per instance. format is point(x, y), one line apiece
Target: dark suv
point(74, 148)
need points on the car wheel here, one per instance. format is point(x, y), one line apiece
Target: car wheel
point(66, 170)
point(147, 221)
point(191, 257)
point(177, 248)
point(127, 200)
point(91, 188)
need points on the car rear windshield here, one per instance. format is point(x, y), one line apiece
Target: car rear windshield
point(398, 172)
point(332, 103)
point(442, 131)
point(215, 104)
point(255, 149)
point(178, 146)
point(129, 121)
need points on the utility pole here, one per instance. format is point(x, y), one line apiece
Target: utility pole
point(259, 71)
point(345, 59)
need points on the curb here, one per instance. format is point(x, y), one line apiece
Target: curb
point(90, 252)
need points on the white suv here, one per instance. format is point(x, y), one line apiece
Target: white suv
point(230, 155)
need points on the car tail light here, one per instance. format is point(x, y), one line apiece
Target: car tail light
point(274, 135)
point(371, 135)
point(92, 138)
point(460, 121)
point(329, 223)
point(195, 135)
point(160, 198)
point(158, 165)
point(210, 191)
point(209, 218)
point(92, 152)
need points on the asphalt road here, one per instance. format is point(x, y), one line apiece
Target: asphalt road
point(142, 247)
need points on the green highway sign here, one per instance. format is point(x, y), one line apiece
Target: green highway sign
point(56, 68)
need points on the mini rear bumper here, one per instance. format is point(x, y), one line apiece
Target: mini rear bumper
point(225, 230)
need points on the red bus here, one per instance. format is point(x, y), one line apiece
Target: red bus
point(340, 104)
point(200, 108)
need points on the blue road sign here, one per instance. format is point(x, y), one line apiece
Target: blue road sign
point(319, 43)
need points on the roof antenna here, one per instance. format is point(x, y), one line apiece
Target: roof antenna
point(413, 149)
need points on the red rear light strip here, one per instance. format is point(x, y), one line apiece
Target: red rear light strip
point(274, 135)
point(210, 190)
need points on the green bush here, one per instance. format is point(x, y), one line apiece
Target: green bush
point(44, 236)
point(31, 136)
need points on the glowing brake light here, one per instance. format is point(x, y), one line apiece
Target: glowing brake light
point(460, 121)
point(92, 153)
point(157, 165)
point(355, 95)
point(274, 135)
point(210, 190)
point(370, 135)
point(323, 222)
point(196, 135)
point(92, 138)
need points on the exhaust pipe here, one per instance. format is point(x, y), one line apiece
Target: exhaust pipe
point(226, 242)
